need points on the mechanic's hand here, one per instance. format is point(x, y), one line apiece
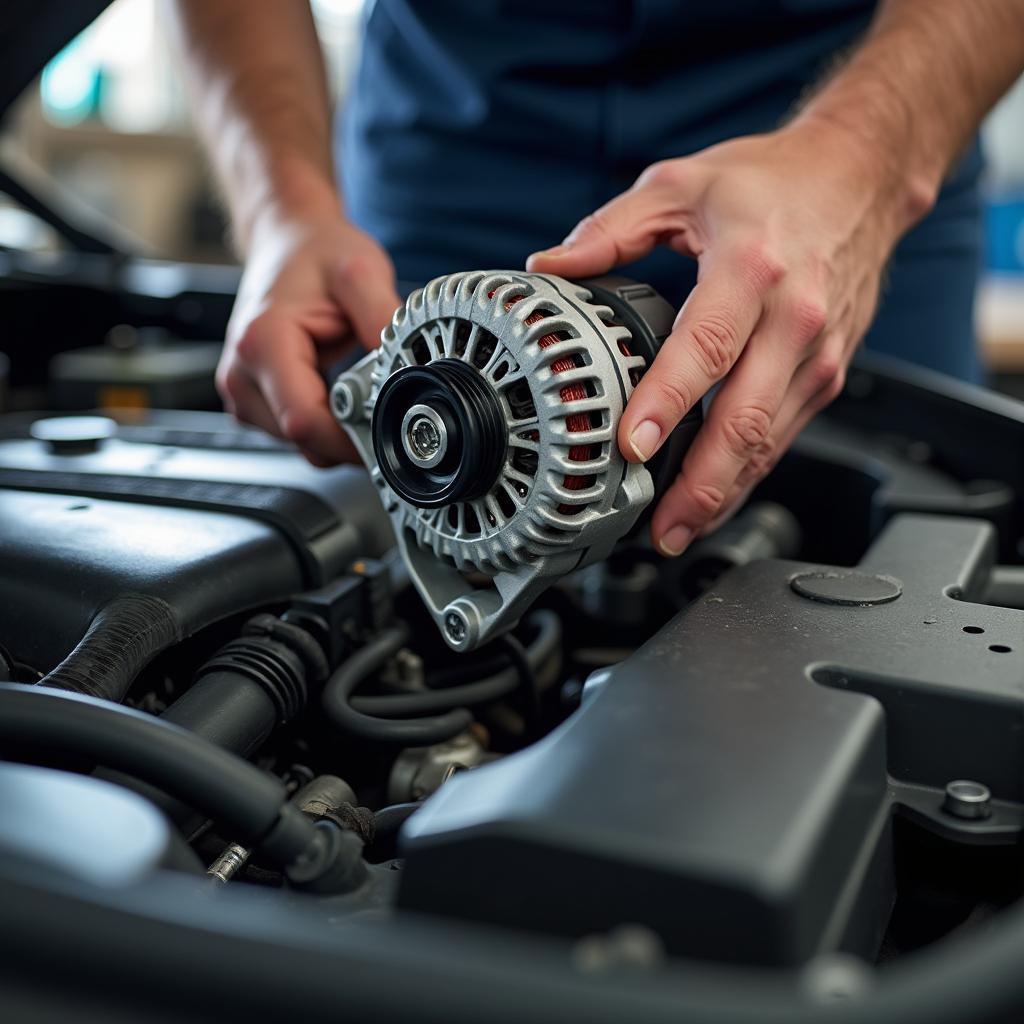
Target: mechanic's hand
point(791, 231)
point(312, 289)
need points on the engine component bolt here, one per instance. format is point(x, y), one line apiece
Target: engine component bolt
point(968, 800)
point(344, 399)
point(424, 436)
point(455, 627)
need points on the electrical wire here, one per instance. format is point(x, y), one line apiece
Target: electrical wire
point(529, 692)
point(494, 686)
point(356, 669)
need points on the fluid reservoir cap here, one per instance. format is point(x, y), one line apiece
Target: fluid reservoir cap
point(847, 587)
point(73, 435)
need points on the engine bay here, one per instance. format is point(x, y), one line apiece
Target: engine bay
point(781, 772)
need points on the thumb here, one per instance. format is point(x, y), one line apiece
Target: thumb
point(624, 229)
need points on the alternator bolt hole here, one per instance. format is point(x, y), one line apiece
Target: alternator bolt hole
point(973, 629)
point(1000, 649)
point(455, 627)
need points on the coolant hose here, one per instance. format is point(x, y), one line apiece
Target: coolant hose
point(359, 666)
point(123, 638)
point(253, 684)
point(248, 803)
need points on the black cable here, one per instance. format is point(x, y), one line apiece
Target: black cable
point(528, 688)
point(492, 687)
point(413, 732)
point(247, 802)
point(403, 705)
point(466, 670)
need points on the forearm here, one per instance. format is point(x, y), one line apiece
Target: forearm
point(916, 89)
point(256, 77)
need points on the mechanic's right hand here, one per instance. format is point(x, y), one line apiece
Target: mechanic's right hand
point(312, 289)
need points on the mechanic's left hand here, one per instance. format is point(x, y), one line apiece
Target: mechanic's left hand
point(791, 231)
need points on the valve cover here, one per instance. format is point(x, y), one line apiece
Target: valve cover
point(488, 420)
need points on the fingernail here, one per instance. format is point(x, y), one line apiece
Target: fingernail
point(555, 251)
point(674, 541)
point(645, 438)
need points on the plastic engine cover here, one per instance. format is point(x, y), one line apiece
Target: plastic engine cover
point(725, 786)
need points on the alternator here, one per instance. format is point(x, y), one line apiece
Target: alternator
point(488, 421)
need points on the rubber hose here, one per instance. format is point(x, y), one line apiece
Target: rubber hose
point(411, 705)
point(527, 680)
point(466, 670)
point(251, 685)
point(490, 688)
point(247, 802)
point(413, 732)
point(122, 639)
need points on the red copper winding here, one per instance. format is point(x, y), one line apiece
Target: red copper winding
point(574, 423)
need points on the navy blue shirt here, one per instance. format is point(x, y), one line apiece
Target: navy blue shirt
point(479, 131)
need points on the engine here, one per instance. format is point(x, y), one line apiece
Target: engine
point(449, 735)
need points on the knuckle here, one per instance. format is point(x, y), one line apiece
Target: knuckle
point(746, 430)
point(807, 317)
point(715, 341)
point(674, 394)
point(352, 267)
point(253, 340)
point(706, 499)
point(761, 462)
point(761, 264)
point(663, 173)
point(834, 388)
point(249, 346)
point(594, 224)
point(297, 426)
point(826, 371)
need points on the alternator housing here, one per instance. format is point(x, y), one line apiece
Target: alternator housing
point(488, 420)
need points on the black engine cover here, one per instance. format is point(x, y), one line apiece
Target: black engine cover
point(732, 785)
point(726, 787)
point(210, 518)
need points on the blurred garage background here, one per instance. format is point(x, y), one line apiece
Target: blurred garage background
point(107, 122)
